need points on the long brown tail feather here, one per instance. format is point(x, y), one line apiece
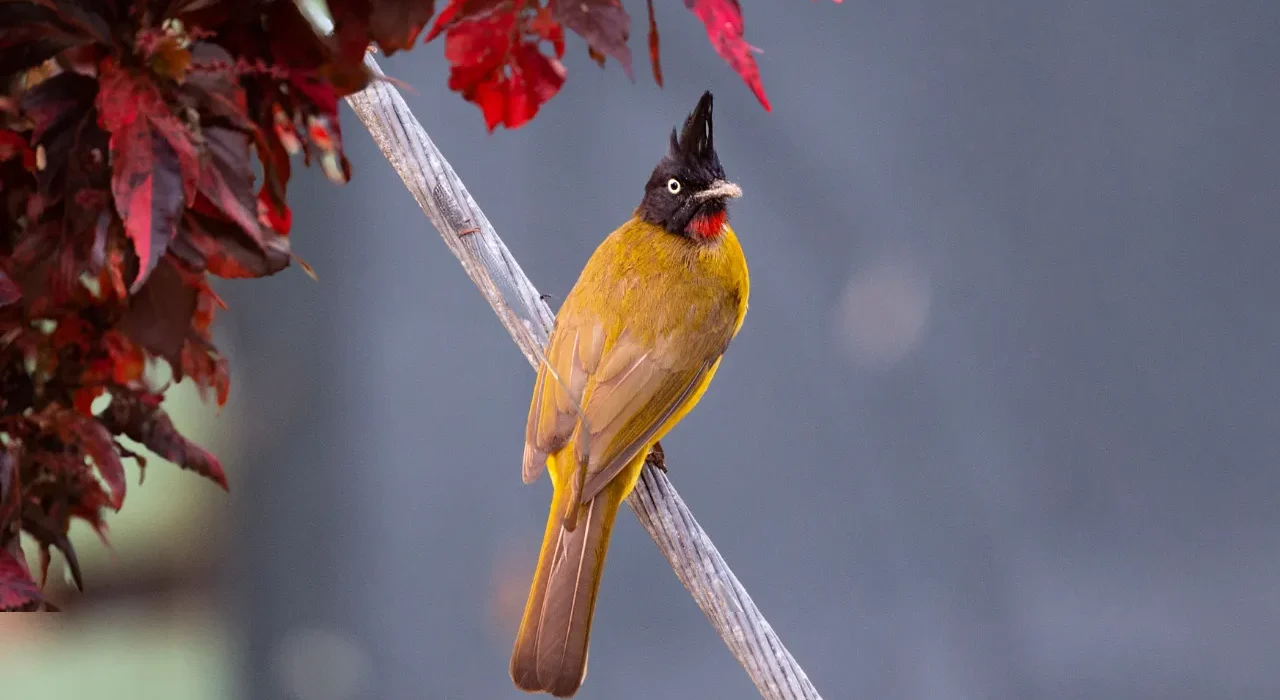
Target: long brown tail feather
point(550, 652)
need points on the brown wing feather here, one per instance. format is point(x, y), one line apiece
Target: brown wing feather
point(628, 408)
point(574, 354)
point(630, 392)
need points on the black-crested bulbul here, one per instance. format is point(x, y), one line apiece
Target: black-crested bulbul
point(635, 345)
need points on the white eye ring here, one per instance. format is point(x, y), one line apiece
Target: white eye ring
point(673, 186)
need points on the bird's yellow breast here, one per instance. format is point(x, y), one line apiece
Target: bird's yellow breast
point(662, 285)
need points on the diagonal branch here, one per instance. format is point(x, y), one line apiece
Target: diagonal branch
point(467, 232)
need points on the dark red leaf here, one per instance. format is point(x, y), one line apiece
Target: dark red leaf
point(653, 46)
point(101, 447)
point(9, 290)
point(723, 20)
point(10, 488)
point(14, 146)
point(155, 166)
point(223, 249)
point(226, 178)
point(393, 24)
point(603, 23)
point(58, 101)
point(182, 7)
point(213, 89)
point(148, 194)
point(396, 24)
point(462, 10)
point(48, 534)
point(127, 100)
point(84, 397)
point(277, 42)
point(31, 34)
point(151, 426)
point(497, 65)
point(208, 369)
point(127, 360)
point(159, 314)
point(273, 212)
point(88, 19)
point(74, 147)
point(17, 591)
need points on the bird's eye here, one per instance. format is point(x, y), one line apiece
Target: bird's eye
point(673, 186)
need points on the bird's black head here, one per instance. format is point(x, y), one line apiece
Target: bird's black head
point(686, 193)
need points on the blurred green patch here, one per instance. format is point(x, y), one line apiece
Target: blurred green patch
point(113, 654)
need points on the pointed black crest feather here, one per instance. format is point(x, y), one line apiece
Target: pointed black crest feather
point(697, 138)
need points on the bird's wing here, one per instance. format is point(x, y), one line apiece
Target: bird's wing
point(633, 395)
point(572, 357)
point(631, 390)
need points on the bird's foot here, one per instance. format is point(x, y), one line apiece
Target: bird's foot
point(657, 458)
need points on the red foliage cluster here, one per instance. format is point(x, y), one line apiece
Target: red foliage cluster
point(494, 48)
point(129, 131)
point(127, 137)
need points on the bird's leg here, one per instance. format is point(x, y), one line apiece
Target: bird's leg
point(656, 458)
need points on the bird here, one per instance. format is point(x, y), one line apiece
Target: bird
point(635, 344)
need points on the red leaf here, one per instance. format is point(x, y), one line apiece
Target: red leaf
point(30, 35)
point(127, 359)
point(48, 533)
point(723, 20)
point(213, 88)
point(223, 249)
point(160, 313)
point(155, 164)
point(14, 145)
point(393, 24)
point(603, 23)
point(101, 447)
point(84, 397)
point(653, 46)
point(127, 100)
point(496, 64)
point(17, 590)
point(10, 487)
point(207, 369)
point(58, 108)
point(148, 194)
point(9, 290)
point(226, 178)
point(132, 416)
point(463, 10)
point(273, 212)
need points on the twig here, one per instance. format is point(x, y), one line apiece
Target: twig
point(444, 199)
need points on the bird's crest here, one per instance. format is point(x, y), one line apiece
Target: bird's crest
point(696, 141)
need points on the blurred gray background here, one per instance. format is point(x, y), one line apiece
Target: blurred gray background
point(1001, 423)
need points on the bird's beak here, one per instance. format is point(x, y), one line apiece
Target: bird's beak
point(720, 189)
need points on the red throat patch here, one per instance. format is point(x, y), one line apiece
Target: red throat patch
point(707, 226)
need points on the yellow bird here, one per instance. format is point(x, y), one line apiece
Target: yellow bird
point(635, 345)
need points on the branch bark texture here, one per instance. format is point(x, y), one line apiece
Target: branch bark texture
point(466, 231)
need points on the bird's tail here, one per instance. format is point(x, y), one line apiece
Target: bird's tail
point(550, 653)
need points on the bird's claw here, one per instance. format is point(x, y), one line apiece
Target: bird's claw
point(657, 458)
